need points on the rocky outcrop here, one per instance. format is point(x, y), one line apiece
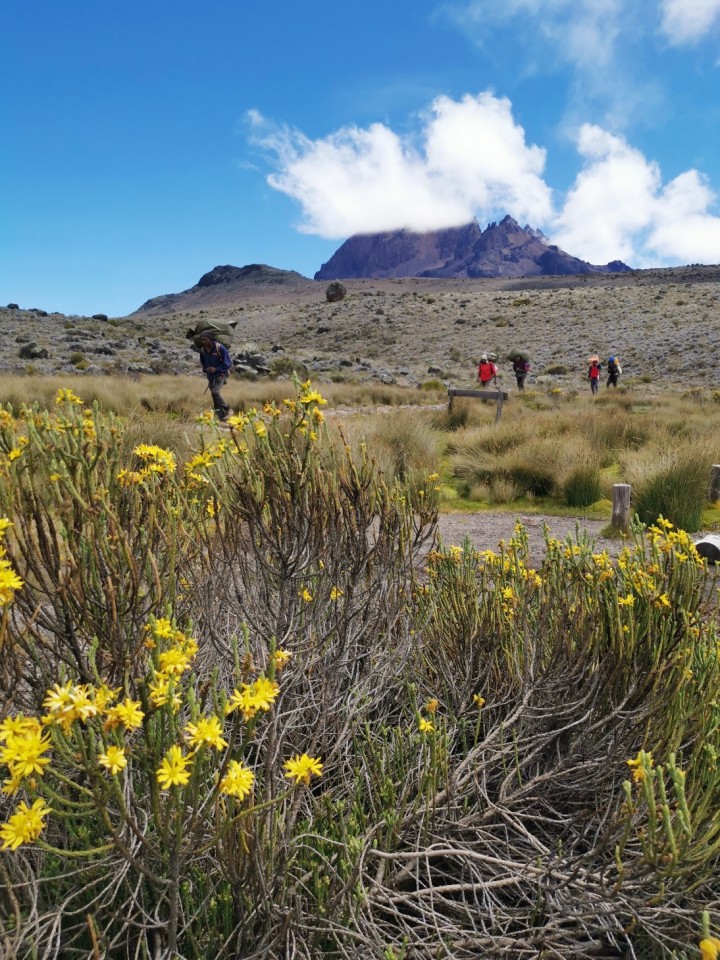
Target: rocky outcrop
point(225, 286)
point(504, 249)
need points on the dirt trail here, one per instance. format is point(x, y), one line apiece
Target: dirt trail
point(486, 529)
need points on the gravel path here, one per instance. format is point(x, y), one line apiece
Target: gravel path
point(486, 529)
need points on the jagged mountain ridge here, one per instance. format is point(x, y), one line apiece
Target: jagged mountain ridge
point(502, 250)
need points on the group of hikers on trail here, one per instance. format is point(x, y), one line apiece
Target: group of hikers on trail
point(212, 340)
point(595, 367)
point(487, 370)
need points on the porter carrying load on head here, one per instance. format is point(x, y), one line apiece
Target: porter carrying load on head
point(212, 339)
point(521, 366)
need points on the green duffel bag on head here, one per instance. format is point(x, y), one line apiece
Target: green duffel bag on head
point(217, 329)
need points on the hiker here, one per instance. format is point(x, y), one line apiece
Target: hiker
point(521, 368)
point(487, 371)
point(216, 364)
point(614, 371)
point(594, 373)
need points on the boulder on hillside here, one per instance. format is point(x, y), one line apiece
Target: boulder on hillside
point(31, 351)
point(335, 292)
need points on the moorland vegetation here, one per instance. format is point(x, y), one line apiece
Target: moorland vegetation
point(252, 707)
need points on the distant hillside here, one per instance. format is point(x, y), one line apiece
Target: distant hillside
point(503, 250)
point(226, 286)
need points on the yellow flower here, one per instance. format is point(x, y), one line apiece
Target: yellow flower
point(641, 765)
point(23, 753)
point(127, 713)
point(173, 770)
point(174, 661)
point(260, 428)
point(305, 595)
point(627, 601)
point(129, 478)
point(162, 627)
point(25, 825)
point(710, 948)
point(425, 726)
point(253, 697)
point(478, 701)
point(432, 705)
point(301, 767)
point(336, 593)
point(238, 421)
point(238, 781)
point(114, 759)
point(18, 725)
point(280, 658)
point(70, 702)
point(9, 583)
point(149, 452)
point(312, 396)
point(66, 396)
point(162, 691)
point(206, 730)
point(662, 601)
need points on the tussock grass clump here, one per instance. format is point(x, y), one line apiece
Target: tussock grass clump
point(404, 446)
point(670, 483)
point(581, 487)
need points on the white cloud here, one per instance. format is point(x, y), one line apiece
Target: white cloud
point(686, 21)
point(472, 159)
point(618, 208)
point(610, 201)
point(682, 229)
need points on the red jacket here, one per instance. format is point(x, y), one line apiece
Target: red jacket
point(594, 371)
point(486, 371)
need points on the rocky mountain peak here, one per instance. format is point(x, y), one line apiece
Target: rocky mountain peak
point(503, 249)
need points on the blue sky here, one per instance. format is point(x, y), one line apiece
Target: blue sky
point(146, 142)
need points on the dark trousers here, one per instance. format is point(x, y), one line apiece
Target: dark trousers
point(520, 377)
point(612, 380)
point(216, 383)
point(594, 384)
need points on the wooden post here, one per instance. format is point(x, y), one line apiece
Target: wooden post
point(621, 506)
point(715, 482)
point(498, 412)
point(451, 396)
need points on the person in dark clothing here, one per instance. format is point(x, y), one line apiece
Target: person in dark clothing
point(613, 371)
point(521, 369)
point(216, 364)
